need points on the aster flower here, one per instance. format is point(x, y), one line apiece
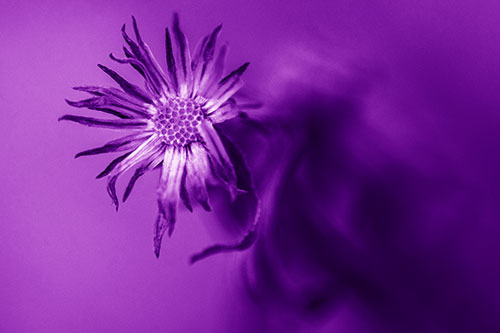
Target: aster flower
point(172, 123)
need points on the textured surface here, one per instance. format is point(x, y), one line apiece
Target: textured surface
point(388, 136)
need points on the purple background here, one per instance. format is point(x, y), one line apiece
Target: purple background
point(422, 83)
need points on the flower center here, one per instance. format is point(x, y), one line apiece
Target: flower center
point(177, 121)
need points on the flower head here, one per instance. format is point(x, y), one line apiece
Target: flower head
point(171, 120)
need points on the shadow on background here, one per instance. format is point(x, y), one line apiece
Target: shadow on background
point(350, 225)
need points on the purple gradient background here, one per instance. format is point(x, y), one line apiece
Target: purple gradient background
point(424, 80)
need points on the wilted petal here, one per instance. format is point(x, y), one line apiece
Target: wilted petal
point(112, 190)
point(111, 166)
point(125, 143)
point(218, 158)
point(165, 220)
point(105, 123)
point(138, 68)
point(247, 241)
point(184, 74)
point(128, 87)
point(226, 88)
point(245, 182)
point(168, 191)
point(226, 111)
point(141, 52)
point(96, 103)
point(114, 99)
point(149, 164)
point(172, 69)
point(215, 72)
point(144, 152)
point(172, 122)
point(125, 162)
point(197, 170)
point(204, 60)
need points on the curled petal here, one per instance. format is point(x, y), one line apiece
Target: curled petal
point(144, 152)
point(149, 164)
point(138, 68)
point(111, 188)
point(245, 183)
point(247, 241)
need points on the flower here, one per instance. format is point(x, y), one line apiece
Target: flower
point(172, 123)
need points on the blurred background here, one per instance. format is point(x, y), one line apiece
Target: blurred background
point(375, 156)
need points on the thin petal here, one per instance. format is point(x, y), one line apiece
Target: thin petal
point(111, 188)
point(95, 103)
point(171, 60)
point(164, 221)
point(204, 62)
point(236, 73)
point(184, 75)
point(174, 163)
point(144, 152)
point(247, 241)
point(114, 99)
point(128, 87)
point(218, 158)
point(197, 55)
point(158, 82)
point(121, 144)
point(141, 170)
point(112, 165)
point(215, 74)
point(245, 182)
point(226, 111)
point(183, 192)
point(225, 89)
point(125, 162)
point(138, 68)
point(105, 123)
point(197, 171)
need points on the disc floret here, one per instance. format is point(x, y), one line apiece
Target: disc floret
point(177, 121)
